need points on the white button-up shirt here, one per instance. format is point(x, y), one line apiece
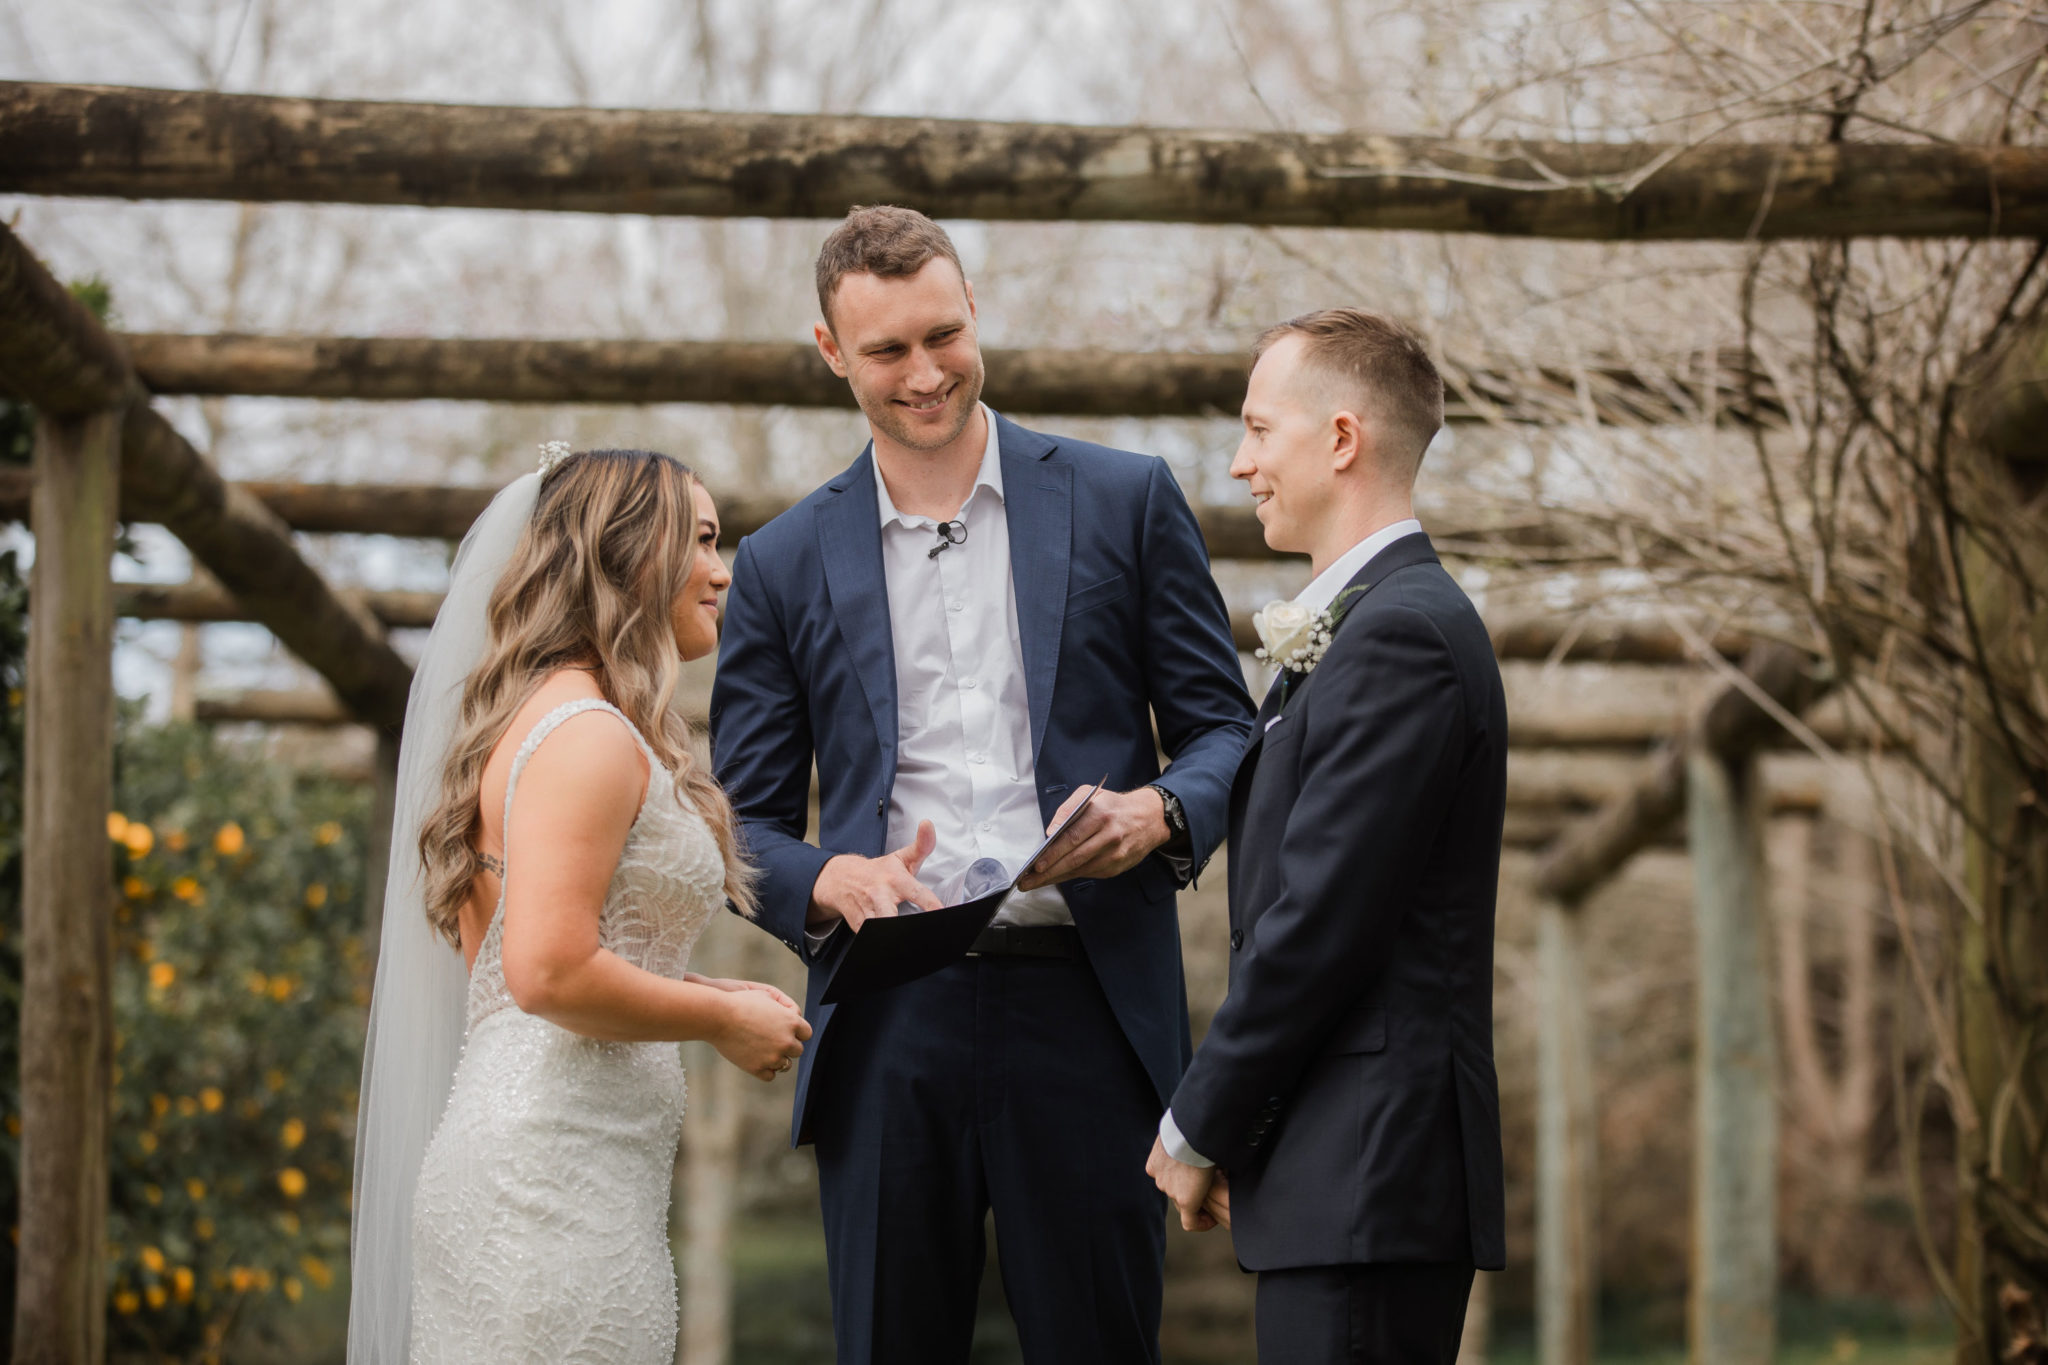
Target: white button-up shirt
point(963, 722)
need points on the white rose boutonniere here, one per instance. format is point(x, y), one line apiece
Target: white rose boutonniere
point(1291, 635)
point(1295, 638)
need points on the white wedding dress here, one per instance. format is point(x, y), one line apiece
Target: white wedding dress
point(540, 1222)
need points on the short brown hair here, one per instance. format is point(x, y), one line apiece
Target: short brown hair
point(1381, 362)
point(879, 239)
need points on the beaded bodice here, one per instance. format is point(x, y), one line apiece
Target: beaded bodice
point(670, 878)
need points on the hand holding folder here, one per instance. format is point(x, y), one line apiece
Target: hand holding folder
point(888, 952)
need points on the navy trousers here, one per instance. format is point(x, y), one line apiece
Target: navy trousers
point(1391, 1314)
point(998, 1083)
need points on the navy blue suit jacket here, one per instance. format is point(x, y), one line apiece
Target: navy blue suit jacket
point(1121, 625)
point(1347, 1082)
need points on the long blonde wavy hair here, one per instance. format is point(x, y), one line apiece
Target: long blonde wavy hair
point(590, 585)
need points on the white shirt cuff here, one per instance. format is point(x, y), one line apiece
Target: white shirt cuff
point(817, 937)
point(1176, 1145)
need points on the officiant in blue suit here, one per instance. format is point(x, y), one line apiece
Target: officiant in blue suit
point(963, 632)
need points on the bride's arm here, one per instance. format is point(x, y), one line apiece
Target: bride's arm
point(574, 806)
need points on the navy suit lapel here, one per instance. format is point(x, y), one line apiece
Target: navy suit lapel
point(1038, 503)
point(850, 541)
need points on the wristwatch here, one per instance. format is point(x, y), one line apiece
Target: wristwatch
point(1176, 818)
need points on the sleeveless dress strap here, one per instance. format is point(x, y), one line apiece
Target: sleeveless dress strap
point(542, 728)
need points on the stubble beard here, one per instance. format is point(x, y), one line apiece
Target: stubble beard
point(885, 418)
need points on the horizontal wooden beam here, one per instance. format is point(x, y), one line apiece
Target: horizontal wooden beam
point(1531, 639)
point(169, 144)
point(1731, 725)
point(444, 512)
point(1084, 382)
point(230, 533)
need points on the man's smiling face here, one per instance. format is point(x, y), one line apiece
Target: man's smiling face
point(907, 346)
point(1285, 458)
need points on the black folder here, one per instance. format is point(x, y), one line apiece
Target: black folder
point(890, 951)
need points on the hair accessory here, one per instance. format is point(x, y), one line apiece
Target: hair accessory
point(552, 454)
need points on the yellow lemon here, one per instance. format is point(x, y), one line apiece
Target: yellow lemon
point(316, 895)
point(154, 1259)
point(127, 1301)
point(329, 832)
point(139, 838)
point(146, 1141)
point(156, 1295)
point(281, 988)
point(259, 984)
point(186, 889)
point(196, 1189)
point(293, 1290)
point(159, 1105)
point(175, 840)
point(181, 1283)
point(292, 1181)
point(162, 974)
point(134, 888)
point(294, 1133)
point(229, 841)
point(117, 826)
point(202, 1228)
point(210, 1099)
point(316, 1271)
point(242, 1279)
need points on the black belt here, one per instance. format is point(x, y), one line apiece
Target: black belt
point(1027, 940)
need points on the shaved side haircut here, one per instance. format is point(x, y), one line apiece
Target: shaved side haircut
point(1375, 366)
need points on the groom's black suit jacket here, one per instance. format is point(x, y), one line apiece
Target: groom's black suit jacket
point(1347, 1082)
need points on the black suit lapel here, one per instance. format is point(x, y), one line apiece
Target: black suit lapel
point(1407, 551)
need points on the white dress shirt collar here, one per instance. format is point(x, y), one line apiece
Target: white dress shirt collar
point(1323, 590)
point(989, 476)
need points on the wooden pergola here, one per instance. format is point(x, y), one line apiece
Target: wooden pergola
point(102, 454)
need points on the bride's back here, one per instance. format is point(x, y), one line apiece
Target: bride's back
point(562, 686)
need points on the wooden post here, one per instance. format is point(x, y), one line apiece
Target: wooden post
point(1567, 1152)
point(1735, 1153)
point(67, 1031)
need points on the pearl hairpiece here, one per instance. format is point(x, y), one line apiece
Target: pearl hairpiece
point(552, 453)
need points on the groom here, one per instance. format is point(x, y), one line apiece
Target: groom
point(964, 631)
point(1346, 1085)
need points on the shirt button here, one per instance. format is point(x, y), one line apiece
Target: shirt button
point(977, 758)
point(987, 825)
point(967, 683)
point(952, 606)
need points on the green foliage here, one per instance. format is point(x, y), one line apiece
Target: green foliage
point(239, 986)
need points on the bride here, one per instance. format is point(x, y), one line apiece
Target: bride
point(522, 1091)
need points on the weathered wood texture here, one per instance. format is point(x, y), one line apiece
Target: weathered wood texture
point(1567, 1144)
point(1522, 638)
point(164, 479)
point(446, 511)
point(1730, 726)
point(163, 144)
point(1735, 1141)
point(1084, 382)
point(2001, 946)
point(67, 1022)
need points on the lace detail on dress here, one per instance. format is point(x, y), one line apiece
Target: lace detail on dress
point(540, 1224)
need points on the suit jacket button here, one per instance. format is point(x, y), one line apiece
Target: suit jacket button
point(881, 805)
point(1236, 939)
